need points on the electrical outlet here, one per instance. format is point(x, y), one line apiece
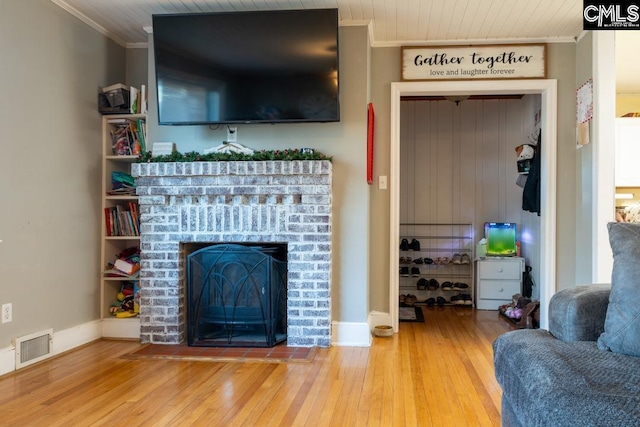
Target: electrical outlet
point(232, 134)
point(7, 313)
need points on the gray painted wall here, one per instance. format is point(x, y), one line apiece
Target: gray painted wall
point(583, 175)
point(137, 67)
point(562, 66)
point(52, 67)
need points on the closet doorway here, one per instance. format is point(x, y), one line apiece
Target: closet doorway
point(547, 90)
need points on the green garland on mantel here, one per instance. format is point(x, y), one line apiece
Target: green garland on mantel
point(194, 156)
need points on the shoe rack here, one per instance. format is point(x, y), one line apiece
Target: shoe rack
point(436, 264)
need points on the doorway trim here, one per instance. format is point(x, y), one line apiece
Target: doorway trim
point(547, 88)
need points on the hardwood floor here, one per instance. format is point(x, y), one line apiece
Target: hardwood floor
point(437, 373)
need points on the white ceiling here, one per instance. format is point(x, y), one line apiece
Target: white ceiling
point(393, 22)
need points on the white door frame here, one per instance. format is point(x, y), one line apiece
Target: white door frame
point(548, 91)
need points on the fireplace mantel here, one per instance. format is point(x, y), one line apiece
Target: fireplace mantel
point(253, 201)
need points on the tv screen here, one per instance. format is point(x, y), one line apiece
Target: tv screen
point(247, 67)
point(501, 238)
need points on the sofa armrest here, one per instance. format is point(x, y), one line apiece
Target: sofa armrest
point(578, 314)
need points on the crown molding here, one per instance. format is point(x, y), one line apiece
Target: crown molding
point(90, 22)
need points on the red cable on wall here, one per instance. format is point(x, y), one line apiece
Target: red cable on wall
point(370, 120)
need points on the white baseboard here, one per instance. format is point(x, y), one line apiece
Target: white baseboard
point(377, 318)
point(121, 328)
point(7, 360)
point(76, 336)
point(64, 340)
point(350, 334)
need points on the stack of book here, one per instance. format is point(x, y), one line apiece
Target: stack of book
point(122, 184)
point(126, 264)
point(122, 222)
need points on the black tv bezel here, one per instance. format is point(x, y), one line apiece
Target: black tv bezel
point(251, 121)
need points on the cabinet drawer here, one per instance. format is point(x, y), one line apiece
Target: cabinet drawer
point(501, 270)
point(499, 289)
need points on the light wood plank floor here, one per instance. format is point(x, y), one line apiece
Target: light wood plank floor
point(437, 373)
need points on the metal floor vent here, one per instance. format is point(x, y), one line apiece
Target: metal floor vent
point(33, 348)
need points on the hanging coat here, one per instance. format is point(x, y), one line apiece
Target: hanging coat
point(531, 191)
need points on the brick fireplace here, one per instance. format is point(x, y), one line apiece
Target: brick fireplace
point(235, 202)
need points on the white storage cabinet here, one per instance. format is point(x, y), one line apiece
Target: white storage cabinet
point(498, 279)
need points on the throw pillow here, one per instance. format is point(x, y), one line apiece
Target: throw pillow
point(622, 323)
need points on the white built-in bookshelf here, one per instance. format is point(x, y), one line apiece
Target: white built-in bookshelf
point(119, 230)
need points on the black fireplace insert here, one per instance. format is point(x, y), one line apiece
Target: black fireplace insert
point(237, 295)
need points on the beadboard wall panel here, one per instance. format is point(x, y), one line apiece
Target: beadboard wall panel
point(458, 162)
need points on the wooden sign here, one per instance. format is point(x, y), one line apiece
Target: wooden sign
point(525, 61)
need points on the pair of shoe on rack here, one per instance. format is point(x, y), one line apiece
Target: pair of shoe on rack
point(406, 246)
point(442, 260)
point(424, 284)
point(405, 272)
point(460, 259)
point(462, 299)
point(408, 300)
point(423, 261)
point(433, 301)
point(405, 260)
point(458, 286)
point(427, 285)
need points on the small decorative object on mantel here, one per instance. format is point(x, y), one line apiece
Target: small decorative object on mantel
point(229, 147)
point(194, 156)
point(163, 148)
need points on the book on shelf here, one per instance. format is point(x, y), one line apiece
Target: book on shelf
point(128, 136)
point(114, 272)
point(133, 208)
point(143, 99)
point(122, 184)
point(123, 191)
point(114, 87)
point(122, 222)
point(142, 133)
point(134, 100)
point(126, 264)
point(126, 267)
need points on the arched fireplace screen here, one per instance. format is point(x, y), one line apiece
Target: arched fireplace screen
point(237, 295)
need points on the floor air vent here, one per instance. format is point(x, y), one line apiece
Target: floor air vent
point(33, 348)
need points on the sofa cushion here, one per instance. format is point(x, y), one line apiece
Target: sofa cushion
point(549, 382)
point(622, 324)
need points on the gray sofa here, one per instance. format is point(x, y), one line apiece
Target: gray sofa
point(561, 377)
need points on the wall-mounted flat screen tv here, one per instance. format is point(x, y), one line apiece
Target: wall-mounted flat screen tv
point(501, 238)
point(247, 67)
